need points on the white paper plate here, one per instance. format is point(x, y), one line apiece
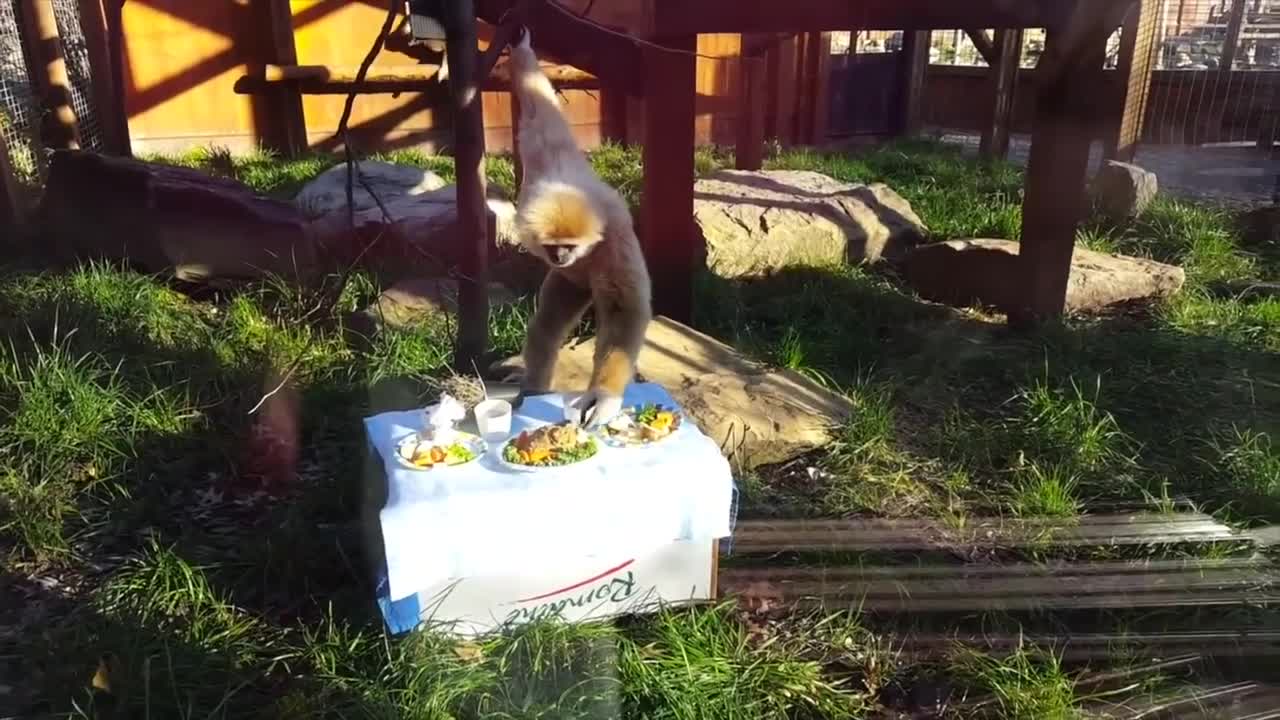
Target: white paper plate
point(474, 443)
point(622, 442)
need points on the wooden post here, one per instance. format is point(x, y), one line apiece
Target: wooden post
point(474, 218)
point(1136, 64)
point(61, 130)
point(915, 63)
point(1055, 200)
point(1004, 86)
point(749, 153)
point(1231, 44)
point(287, 133)
point(819, 87)
point(613, 114)
point(107, 96)
point(989, 49)
point(114, 19)
point(666, 216)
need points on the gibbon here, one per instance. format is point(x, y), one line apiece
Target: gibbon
point(582, 229)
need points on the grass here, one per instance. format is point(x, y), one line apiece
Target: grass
point(130, 470)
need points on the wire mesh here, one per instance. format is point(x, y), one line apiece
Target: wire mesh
point(19, 117)
point(75, 50)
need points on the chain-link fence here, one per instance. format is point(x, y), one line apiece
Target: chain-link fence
point(20, 109)
point(19, 114)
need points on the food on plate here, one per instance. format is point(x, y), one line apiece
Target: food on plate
point(550, 446)
point(643, 424)
point(422, 452)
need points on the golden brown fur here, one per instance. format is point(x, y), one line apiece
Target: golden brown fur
point(582, 228)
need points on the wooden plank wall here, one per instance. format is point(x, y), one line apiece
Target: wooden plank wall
point(182, 59)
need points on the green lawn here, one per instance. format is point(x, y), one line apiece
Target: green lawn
point(124, 407)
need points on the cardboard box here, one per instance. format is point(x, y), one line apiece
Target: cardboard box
point(681, 573)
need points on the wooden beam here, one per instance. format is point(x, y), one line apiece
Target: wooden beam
point(326, 80)
point(113, 16)
point(107, 101)
point(1004, 85)
point(1231, 43)
point(287, 130)
point(749, 151)
point(60, 127)
point(475, 222)
point(1054, 200)
point(613, 114)
point(915, 63)
point(668, 236)
point(556, 34)
point(987, 47)
point(1138, 49)
point(765, 16)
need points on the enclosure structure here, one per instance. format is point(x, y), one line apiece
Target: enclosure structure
point(1065, 121)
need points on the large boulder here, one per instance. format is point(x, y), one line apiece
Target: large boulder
point(986, 272)
point(166, 218)
point(328, 191)
point(1123, 191)
point(758, 415)
point(758, 222)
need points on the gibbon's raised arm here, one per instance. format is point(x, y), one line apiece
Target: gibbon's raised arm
point(582, 229)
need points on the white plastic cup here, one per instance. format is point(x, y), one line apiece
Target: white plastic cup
point(493, 419)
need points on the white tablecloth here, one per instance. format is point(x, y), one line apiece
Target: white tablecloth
point(483, 518)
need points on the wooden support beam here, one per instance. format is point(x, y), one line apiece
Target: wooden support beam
point(668, 236)
point(1054, 200)
point(60, 128)
point(915, 63)
point(108, 101)
point(1004, 85)
point(325, 80)
point(749, 151)
point(286, 130)
point(1138, 47)
point(475, 222)
point(113, 15)
point(1231, 43)
point(613, 114)
point(987, 47)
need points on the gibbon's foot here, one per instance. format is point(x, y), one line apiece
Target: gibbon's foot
point(595, 408)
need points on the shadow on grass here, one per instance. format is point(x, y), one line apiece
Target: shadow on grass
point(1182, 403)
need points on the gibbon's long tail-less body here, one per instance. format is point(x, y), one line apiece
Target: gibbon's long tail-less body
point(581, 227)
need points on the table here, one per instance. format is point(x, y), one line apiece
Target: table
point(484, 519)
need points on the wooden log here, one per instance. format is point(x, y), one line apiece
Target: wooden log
point(60, 127)
point(915, 63)
point(1137, 61)
point(475, 222)
point(989, 49)
point(326, 80)
point(1231, 43)
point(668, 235)
point(113, 11)
point(1054, 201)
point(749, 152)
point(108, 98)
point(287, 126)
point(1004, 86)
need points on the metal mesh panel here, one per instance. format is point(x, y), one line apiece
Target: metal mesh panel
point(76, 52)
point(18, 106)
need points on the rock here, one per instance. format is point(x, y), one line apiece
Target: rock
point(758, 415)
point(420, 240)
point(166, 218)
point(986, 272)
point(413, 301)
point(328, 191)
point(1122, 191)
point(758, 222)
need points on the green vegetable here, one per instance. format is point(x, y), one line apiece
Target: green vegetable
point(557, 457)
point(647, 413)
point(457, 453)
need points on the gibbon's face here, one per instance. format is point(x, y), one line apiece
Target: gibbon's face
point(563, 252)
point(563, 226)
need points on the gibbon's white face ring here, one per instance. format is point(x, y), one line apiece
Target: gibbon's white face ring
point(563, 255)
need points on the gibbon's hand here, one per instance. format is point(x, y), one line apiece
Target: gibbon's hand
point(595, 408)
